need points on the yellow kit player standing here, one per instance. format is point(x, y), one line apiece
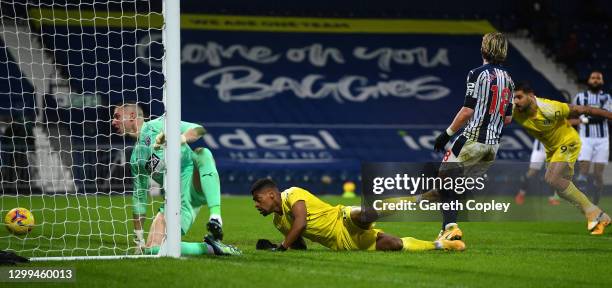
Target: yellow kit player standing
point(546, 120)
point(298, 213)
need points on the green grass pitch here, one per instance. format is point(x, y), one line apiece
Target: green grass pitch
point(499, 254)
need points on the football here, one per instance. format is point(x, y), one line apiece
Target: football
point(19, 221)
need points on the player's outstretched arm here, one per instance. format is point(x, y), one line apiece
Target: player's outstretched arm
point(577, 110)
point(139, 202)
point(190, 133)
point(297, 227)
point(139, 239)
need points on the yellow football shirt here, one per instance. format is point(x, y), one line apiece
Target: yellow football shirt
point(549, 125)
point(321, 218)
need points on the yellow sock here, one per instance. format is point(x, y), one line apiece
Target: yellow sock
point(412, 244)
point(576, 197)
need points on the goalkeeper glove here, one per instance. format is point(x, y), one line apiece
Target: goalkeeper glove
point(160, 140)
point(139, 241)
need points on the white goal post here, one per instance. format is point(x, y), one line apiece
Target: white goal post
point(172, 100)
point(64, 66)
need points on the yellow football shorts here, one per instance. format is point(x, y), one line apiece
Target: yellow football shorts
point(567, 153)
point(352, 237)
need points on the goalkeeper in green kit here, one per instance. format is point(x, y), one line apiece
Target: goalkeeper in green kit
point(199, 181)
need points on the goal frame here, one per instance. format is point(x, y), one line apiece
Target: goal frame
point(171, 68)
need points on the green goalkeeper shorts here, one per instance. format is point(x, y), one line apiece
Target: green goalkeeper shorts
point(191, 200)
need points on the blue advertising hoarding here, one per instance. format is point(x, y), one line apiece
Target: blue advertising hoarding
point(298, 93)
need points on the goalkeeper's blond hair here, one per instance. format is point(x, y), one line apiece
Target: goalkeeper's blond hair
point(133, 107)
point(494, 47)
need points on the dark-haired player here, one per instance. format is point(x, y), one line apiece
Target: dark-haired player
point(546, 120)
point(593, 134)
point(298, 213)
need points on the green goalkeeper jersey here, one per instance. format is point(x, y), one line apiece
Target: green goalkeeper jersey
point(147, 162)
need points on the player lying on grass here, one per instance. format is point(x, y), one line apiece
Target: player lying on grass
point(547, 121)
point(298, 213)
point(199, 181)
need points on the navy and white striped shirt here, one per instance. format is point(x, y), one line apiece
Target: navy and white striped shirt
point(599, 127)
point(490, 91)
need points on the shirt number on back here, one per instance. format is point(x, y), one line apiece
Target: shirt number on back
point(504, 100)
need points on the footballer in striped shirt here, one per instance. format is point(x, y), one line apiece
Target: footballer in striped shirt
point(485, 112)
point(593, 134)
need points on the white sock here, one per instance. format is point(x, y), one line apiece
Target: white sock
point(438, 245)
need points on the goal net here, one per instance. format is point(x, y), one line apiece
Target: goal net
point(64, 65)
